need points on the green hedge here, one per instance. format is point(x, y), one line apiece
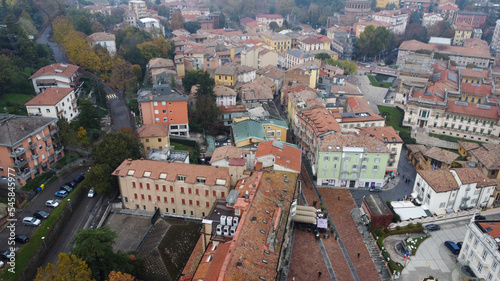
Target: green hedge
point(36, 182)
point(187, 142)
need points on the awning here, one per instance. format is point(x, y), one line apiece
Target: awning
point(323, 223)
point(304, 219)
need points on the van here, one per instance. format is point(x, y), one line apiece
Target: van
point(79, 179)
point(454, 249)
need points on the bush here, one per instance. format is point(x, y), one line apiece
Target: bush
point(410, 226)
point(398, 227)
point(419, 224)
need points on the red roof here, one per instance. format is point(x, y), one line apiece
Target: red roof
point(477, 89)
point(60, 69)
point(284, 154)
point(429, 96)
point(51, 96)
point(474, 110)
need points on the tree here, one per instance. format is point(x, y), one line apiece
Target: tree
point(122, 75)
point(94, 246)
point(417, 32)
point(118, 276)
point(274, 26)
point(372, 41)
point(349, 67)
point(89, 117)
point(67, 268)
point(114, 148)
point(68, 135)
point(177, 21)
point(322, 56)
point(99, 178)
point(158, 48)
point(192, 26)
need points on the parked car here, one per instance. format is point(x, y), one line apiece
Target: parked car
point(61, 194)
point(452, 247)
point(1, 264)
point(21, 238)
point(480, 217)
point(375, 189)
point(459, 244)
point(91, 193)
point(72, 184)
point(51, 203)
point(31, 221)
point(433, 227)
point(79, 179)
point(67, 188)
point(41, 215)
point(6, 255)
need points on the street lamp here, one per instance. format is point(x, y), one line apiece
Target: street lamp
point(45, 244)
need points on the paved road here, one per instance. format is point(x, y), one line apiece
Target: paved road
point(38, 203)
point(55, 49)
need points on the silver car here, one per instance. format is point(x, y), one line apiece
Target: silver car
point(31, 221)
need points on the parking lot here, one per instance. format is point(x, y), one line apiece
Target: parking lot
point(433, 258)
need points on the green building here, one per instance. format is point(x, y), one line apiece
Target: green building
point(351, 160)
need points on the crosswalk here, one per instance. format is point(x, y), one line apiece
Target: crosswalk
point(111, 96)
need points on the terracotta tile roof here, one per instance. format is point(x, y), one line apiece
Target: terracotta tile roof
point(153, 130)
point(269, 16)
point(476, 89)
point(428, 95)
point(441, 155)
point(348, 89)
point(51, 96)
point(227, 152)
point(311, 40)
point(284, 154)
point(415, 148)
point(488, 156)
point(137, 168)
point(473, 109)
point(249, 242)
point(228, 69)
point(320, 119)
point(59, 69)
point(259, 89)
point(375, 23)
point(233, 108)
point(221, 91)
point(271, 71)
point(160, 63)
point(386, 134)
point(471, 48)
point(337, 142)
point(362, 111)
point(237, 162)
point(101, 36)
point(493, 229)
point(473, 175)
point(439, 180)
point(448, 6)
point(246, 20)
point(468, 145)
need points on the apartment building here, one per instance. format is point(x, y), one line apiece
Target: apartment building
point(495, 40)
point(350, 160)
point(269, 18)
point(54, 102)
point(419, 5)
point(469, 18)
point(343, 41)
point(258, 57)
point(249, 132)
point(57, 75)
point(164, 105)
point(456, 189)
point(138, 7)
point(176, 189)
point(226, 75)
point(430, 19)
point(278, 156)
point(480, 250)
point(224, 96)
point(276, 42)
point(28, 146)
point(461, 34)
point(397, 19)
point(392, 141)
point(447, 10)
point(293, 57)
point(153, 137)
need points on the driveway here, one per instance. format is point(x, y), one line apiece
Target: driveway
point(432, 257)
point(374, 95)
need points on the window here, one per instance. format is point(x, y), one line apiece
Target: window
point(475, 242)
point(173, 211)
point(182, 189)
point(183, 201)
point(164, 188)
point(172, 200)
point(485, 255)
point(375, 168)
point(142, 196)
point(147, 186)
point(133, 184)
point(144, 207)
point(197, 192)
point(479, 266)
point(215, 193)
point(164, 111)
point(208, 204)
point(197, 203)
point(156, 111)
point(165, 200)
point(191, 213)
point(140, 184)
point(171, 189)
point(201, 180)
point(326, 158)
point(166, 210)
point(181, 178)
point(158, 198)
point(206, 192)
point(135, 195)
point(222, 194)
point(377, 160)
point(189, 190)
point(149, 197)
point(445, 125)
point(494, 266)
point(190, 202)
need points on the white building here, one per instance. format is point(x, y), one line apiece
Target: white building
point(430, 19)
point(54, 102)
point(480, 249)
point(104, 39)
point(246, 74)
point(139, 8)
point(268, 18)
point(456, 189)
point(56, 75)
point(293, 57)
point(150, 24)
point(225, 96)
point(395, 18)
point(495, 41)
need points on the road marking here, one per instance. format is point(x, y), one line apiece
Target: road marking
point(111, 96)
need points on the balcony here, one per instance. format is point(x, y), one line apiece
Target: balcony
point(17, 152)
point(48, 147)
point(35, 156)
point(59, 150)
point(26, 174)
point(53, 132)
point(33, 145)
point(46, 137)
point(20, 163)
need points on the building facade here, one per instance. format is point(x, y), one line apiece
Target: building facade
point(107, 40)
point(57, 75)
point(138, 7)
point(176, 189)
point(54, 102)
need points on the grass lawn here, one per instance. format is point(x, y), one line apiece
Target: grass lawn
point(414, 243)
point(375, 83)
point(393, 116)
point(19, 99)
point(393, 66)
point(68, 158)
point(451, 138)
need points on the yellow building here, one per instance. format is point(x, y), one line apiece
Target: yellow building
point(276, 42)
point(462, 33)
point(226, 75)
point(177, 189)
point(154, 136)
point(383, 3)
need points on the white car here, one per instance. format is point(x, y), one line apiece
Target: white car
point(31, 221)
point(91, 193)
point(51, 203)
point(1, 264)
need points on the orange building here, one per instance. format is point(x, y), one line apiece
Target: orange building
point(164, 105)
point(27, 146)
